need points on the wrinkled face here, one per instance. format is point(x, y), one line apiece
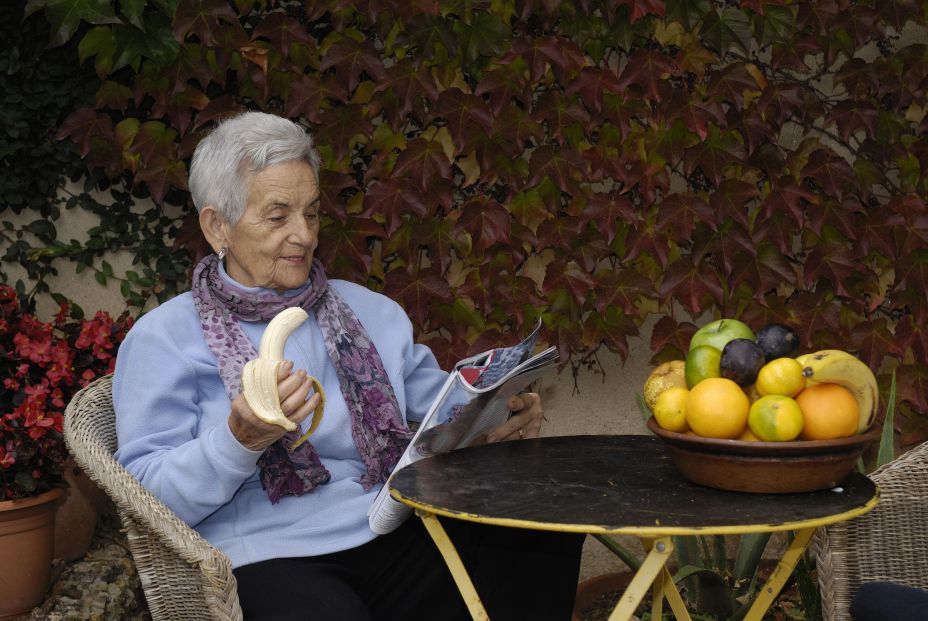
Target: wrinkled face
point(272, 244)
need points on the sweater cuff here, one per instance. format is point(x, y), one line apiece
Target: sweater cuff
point(230, 452)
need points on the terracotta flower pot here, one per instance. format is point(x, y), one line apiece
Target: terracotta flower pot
point(27, 538)
point(593, 588)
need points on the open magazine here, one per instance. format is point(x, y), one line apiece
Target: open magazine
point(471, 403)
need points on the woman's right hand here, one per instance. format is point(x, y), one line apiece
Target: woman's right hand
point(293, 388)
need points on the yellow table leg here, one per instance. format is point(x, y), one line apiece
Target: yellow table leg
point(662, 587)
point(455, 565)
point(780, 574)
point(650, 569)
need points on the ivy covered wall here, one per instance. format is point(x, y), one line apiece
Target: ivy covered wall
point(596, 164)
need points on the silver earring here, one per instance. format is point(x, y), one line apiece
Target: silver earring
point(223, 252)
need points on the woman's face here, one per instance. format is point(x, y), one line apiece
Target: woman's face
point(272, 244)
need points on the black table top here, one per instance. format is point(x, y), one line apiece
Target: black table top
point(607, 484)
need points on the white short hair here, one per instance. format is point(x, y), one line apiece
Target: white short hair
point(238, 148)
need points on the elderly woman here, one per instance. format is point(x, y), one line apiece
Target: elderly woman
point(294, 524)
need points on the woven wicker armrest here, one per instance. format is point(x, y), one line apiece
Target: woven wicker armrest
point(890, 543)
point(182, 574)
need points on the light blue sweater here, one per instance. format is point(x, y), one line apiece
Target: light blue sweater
point(172, 425)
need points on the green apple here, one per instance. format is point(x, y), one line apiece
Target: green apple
point(719, 332)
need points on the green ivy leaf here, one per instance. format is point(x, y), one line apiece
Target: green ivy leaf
point(726, 28)
point(65, 15)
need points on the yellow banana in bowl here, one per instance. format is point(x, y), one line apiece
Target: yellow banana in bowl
point(834, 366)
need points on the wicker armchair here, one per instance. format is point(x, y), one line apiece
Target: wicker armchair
point(890, 543)
point(183, 576)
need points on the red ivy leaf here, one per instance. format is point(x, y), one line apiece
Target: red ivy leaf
point(695, 286)
point(561, 113)
point(415, 292)
point(833, 262)
point(462, 114)
point(308, 96)
point(559, 233)
point(606, 211)
point(912, 274)
point(647, 239)
point(830, 172)
point(517, 131)
point(505, 84)
point(874, 340)
point(780, 102)
point(591, 84)
point(202, 18)
point(681, 212)
point(345, 250)
point(817, 320)
point(912, 335)
point(424, 162)
point(670, 335)
point(787, 197)
point(487, 222)
point(733, 200)
point(562, 54)
point(641, 8)
point(408, 83)
point(764, 271)
point(85, 125)
point(851, 116)
point(341, 127)
point(912, 385)
point(437, 235)
point(331, 185)
point(162, 174)
point(714, 154)
point(623, 288)
point(646, 69)
point(395, 199)
point(569, 278)
point(351, 60)
point(695, 115)
point(558, 164)
point(731, 83)
point(283, 31)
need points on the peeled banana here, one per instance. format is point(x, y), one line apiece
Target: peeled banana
point(259, 376)
point(834, 366)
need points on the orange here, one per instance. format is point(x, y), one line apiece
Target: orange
point(670, 409)
point(775, 418)
point(782, 376)
point(748, 435)
point(829, 411)
point(717, 408)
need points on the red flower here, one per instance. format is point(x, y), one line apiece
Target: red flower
point(44, 365)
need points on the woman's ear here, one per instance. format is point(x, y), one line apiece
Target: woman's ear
point(213, 228)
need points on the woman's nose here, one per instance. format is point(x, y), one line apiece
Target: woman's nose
point(302, 231)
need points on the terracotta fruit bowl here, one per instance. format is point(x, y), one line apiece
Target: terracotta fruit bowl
point(764, 467)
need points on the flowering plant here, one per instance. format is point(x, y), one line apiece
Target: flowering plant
point(42, 365)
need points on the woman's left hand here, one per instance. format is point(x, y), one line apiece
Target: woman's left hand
point(525, 422)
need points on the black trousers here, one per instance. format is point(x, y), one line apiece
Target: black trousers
point(519, 575)
point(886, 601)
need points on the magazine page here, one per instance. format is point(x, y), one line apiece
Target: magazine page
point(471, 403)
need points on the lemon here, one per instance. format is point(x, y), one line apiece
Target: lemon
point(701, 362)
point(782, 376)
point(670, 409)
point(717, 408)
point(775, 418)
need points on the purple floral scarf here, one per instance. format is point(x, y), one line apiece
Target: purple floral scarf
point(377, 427)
